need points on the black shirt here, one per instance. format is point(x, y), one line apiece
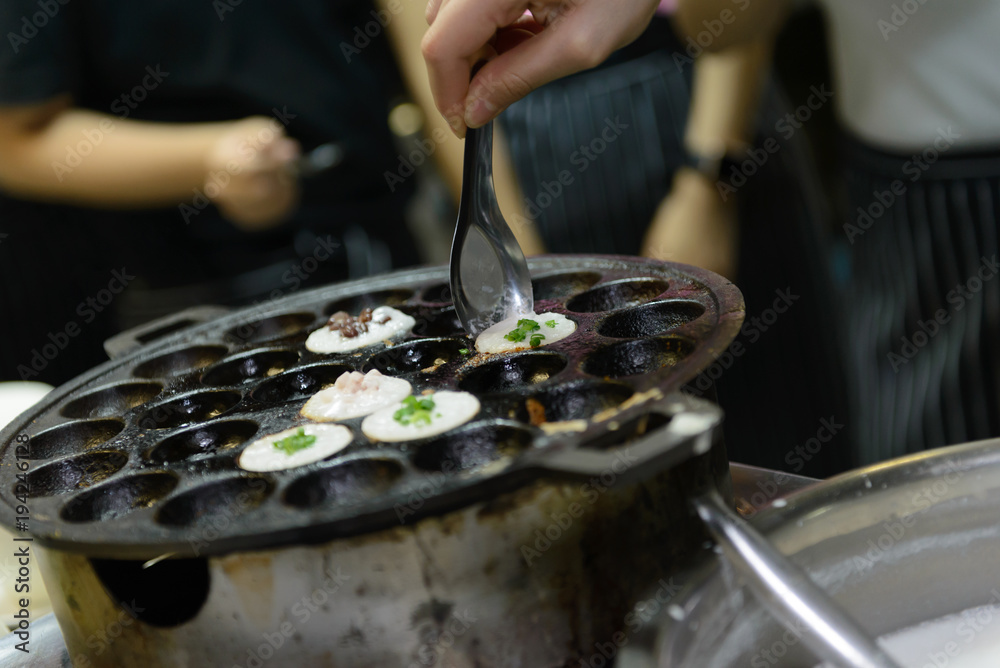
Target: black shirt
point(205, 60)
point(321, 67)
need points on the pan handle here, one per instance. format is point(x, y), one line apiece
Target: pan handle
point(693, 428)
point(122, 344)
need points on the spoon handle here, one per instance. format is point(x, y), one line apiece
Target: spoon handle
point(477, 175)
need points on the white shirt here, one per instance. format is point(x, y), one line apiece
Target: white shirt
point(907, 70)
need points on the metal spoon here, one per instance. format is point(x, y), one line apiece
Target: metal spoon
point(321, 159)
point(489, 275)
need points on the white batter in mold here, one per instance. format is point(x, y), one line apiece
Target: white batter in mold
point(344, 332)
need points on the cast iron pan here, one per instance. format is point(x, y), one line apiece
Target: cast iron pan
point(137, 458)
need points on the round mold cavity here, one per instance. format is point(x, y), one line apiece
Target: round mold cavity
point(650, 319)
point(581, 400)
point(434, 322)
point(250, 366)
point(513, 372)
point(618, 294)
point(630, 358)
point(73, 438)
point(209, 439)
point(298, 384)
point(439, 293)
point(561, 286)
point(354, 305)
point(189, 409)
point(473, 446)
point(75, 473)
point(180, 361)
point(119, 498)
point(275, 327)
point(111, 401)
point(228, 498)
point(349, 482)
point(417, 355)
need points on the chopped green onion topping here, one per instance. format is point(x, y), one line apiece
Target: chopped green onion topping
point(463, 351)
point(550, 323)
point(297, 441)
point(414, 411)
point(524, 328)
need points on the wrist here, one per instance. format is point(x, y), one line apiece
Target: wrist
point(219, 144)
point(695, 184)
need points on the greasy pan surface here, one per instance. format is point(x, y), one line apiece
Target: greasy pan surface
point(137, 458)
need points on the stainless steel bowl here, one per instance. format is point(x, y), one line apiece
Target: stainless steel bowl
point(896, 544)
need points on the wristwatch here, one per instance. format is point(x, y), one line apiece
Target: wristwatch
point(713, 166)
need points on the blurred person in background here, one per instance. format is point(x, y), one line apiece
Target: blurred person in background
point(148, 159)
point(916, 94)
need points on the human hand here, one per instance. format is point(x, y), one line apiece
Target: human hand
point(248, 176)
point(694, 226)
point(524, 52)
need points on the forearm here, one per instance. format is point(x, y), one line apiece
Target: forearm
point(87, 158)
point(741, 21)
point(724, 98)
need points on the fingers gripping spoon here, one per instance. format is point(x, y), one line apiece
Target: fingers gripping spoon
point(489, 275)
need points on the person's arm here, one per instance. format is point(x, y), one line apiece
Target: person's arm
point(405, 31)
point(696, 223)
point(58, 153)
